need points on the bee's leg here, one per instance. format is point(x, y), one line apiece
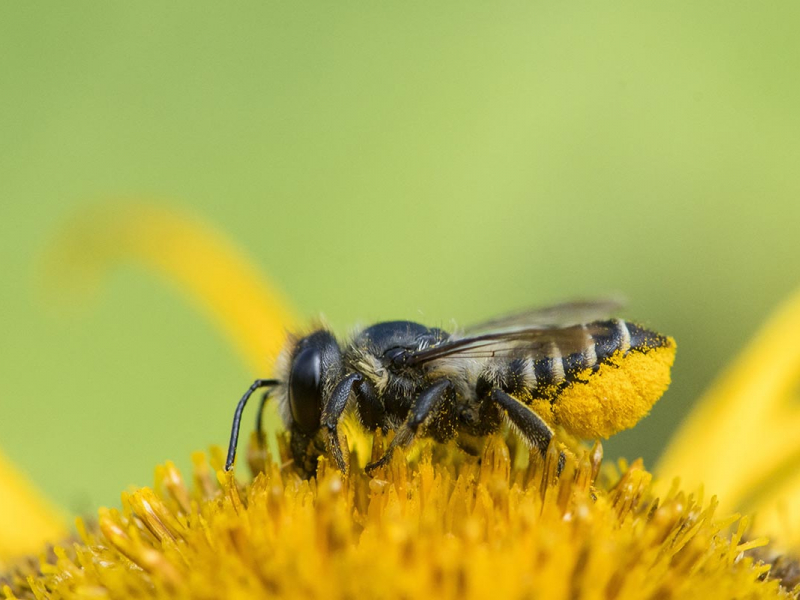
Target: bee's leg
point(332, 415)
point(428, 402)
point(535, 431)
point(370, 408)
point(237, 417)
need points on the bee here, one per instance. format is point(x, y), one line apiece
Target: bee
point(567, 366)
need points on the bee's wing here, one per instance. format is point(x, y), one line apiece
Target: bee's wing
point(551, 317)
point(534, 342)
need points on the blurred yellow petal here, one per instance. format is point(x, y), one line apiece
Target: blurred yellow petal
point(187, 253)
point(742, 441)
point(27, 521)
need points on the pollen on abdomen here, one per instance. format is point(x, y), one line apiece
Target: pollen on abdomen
point(618, 394)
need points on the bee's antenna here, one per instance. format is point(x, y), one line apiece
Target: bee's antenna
point(260, 413)
point(237, 417)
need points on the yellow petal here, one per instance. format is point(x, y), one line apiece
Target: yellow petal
point(742, 441)
point(27, 521)
point(189, 254)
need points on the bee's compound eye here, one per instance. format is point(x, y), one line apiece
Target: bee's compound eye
point(305, 395)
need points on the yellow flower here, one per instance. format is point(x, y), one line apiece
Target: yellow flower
point(445, 526)
point(434, 522)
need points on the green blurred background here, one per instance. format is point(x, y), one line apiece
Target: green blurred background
point(421, 160)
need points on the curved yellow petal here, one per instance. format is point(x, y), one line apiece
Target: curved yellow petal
point(27, 521)
point(189, 254)
point(742, 441)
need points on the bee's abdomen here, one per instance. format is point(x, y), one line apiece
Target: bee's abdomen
point(630, 373)
point(644, 340)
point(604, 339)
point(547, 374)
point(600, 379)
point(624, 336)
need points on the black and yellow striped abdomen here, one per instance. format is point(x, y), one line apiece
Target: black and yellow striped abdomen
point(605, 387)
point(607, 338)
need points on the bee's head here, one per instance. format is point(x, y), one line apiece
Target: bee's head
point(313, 369)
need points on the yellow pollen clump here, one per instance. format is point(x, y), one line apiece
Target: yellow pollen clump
point(618, 395)
point(444, 526)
